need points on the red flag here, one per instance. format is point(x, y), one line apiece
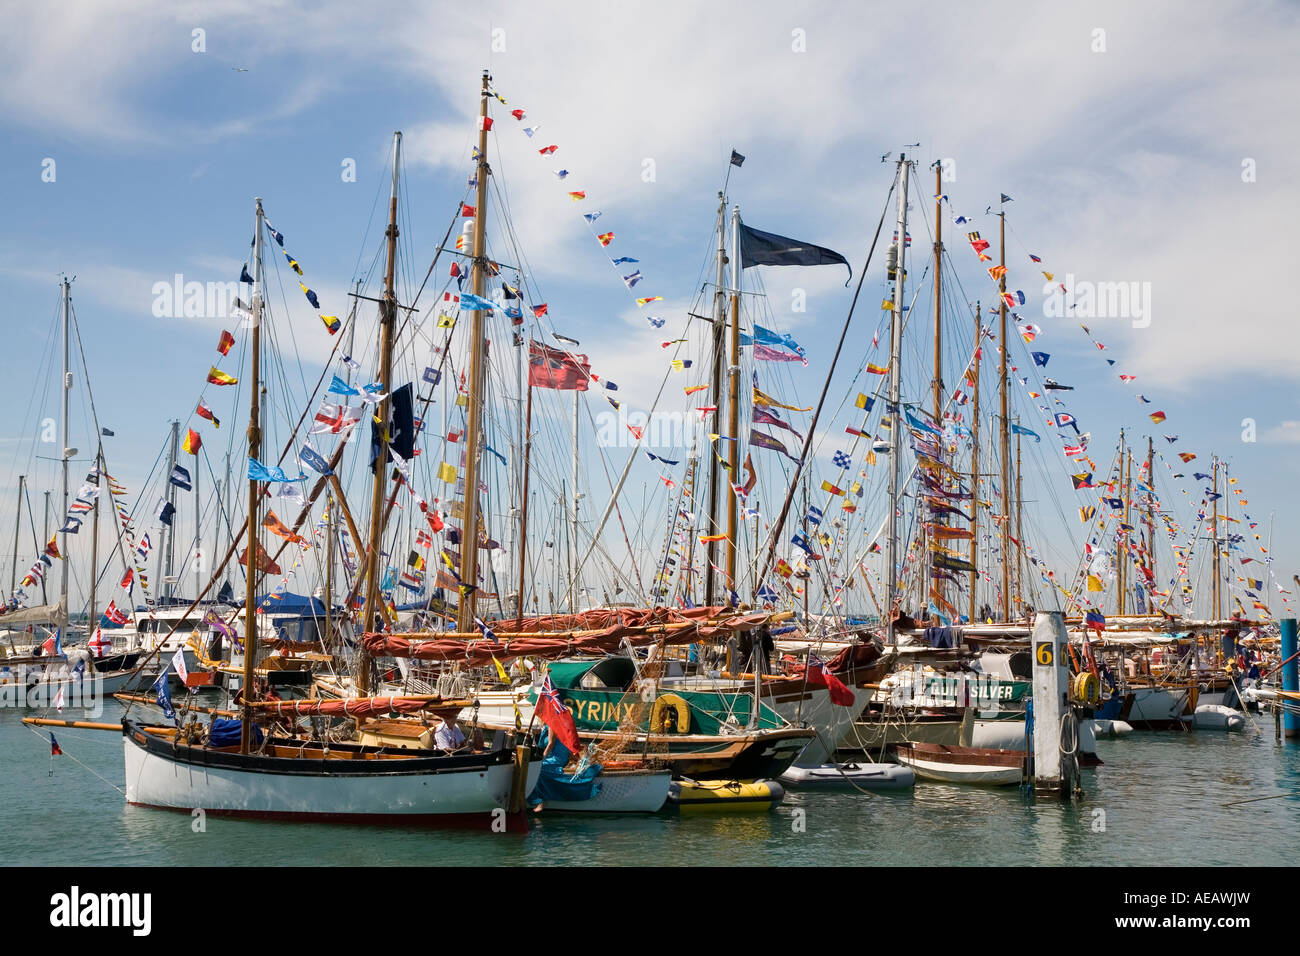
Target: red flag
point(557, 717)
point(556, 368)
point(227, 340)
point(264, 562)
point(819, 675)
point(468, 211)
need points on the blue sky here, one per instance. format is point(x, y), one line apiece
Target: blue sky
point(1123, 152)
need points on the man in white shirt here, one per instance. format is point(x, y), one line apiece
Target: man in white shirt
point(449, 736)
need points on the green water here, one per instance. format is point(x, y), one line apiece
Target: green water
point(1161, 796)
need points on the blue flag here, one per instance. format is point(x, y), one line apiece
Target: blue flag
point(1040, 358)
point(1021, 430)
point(164, 696)
point(260, 472)
point(476, 303)
point(313, 460)
point(340, 387)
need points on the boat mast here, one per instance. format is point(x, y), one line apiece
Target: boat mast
point(198, 533)
point(936, 383)
point(975, 470)
point(895, 411)
point(13, 570)
point(1126, 463)
point(733, 401)
point(170, 527)
point(1020, 546)
point(252, 553)
point(91, 617)
point(1216, 610)
point(719, 327)
point(387, 323)
point(1151, 505)
point(523, 516)
point(67, 451)
point(469, 540)
point(573, 518)
point(1005, 426)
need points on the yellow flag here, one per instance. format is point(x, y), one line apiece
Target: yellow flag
point(862, 401)
point(1094, 583)
point(462, 401)
point(871, 457)
point(501, 672)
point(887, 305)
point(447, 473)
point(446, 321)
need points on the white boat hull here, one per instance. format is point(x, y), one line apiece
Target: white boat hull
point(1157, 707)
point(960, 773)
point(155, 781)
point(622, 792)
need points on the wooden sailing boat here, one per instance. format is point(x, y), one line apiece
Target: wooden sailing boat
point(295, 779)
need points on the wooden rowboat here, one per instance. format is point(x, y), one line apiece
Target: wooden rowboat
point(974, 765)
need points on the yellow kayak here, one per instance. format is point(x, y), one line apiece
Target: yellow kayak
point(725, 796)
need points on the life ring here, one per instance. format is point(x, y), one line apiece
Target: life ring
point(680, 711)
point(1087, 687)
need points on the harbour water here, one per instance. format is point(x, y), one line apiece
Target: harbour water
point(1159, 799)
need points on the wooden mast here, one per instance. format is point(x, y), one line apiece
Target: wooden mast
point(935, 586)
point(733, 400)
point(523, 518)
point(91, 618)
point(13, 570)
point(387, 324)
point(65, 453)
point(719, 330)
point(1126, 468)
point(469, 540)
point(975, 470)
point(252, 553)
point(1005, 425)
point(1020, 546)
point(1215, 599)
point(894, 409)
point(1151, 504)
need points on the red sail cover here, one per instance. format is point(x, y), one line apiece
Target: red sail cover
point(599, 631)
point(355, 707)
point(556, 368)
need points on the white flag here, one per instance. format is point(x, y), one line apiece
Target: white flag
point(178, 664)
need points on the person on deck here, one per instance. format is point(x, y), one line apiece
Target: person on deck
point(449, 736)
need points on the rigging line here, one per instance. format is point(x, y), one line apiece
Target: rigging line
point(64, 753)
point(761, 574)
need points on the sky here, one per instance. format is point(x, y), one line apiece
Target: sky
point(1139, 143)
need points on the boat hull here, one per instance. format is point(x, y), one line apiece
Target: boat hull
point(637, 791)
point(981, 767)
point(159, 774)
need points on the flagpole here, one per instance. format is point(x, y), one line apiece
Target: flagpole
point(1126, 468)
point(469, 540)
point(388, 319)
point(895, 356)
point(1151, 504)
point(252, 549)
point(1020, 548)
